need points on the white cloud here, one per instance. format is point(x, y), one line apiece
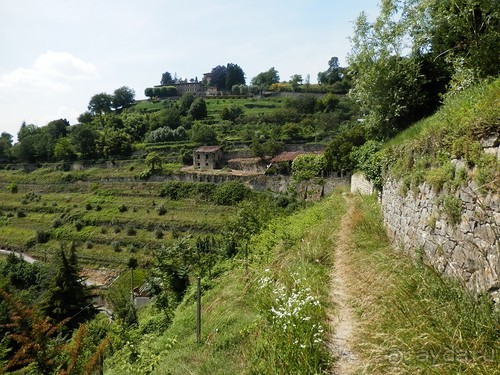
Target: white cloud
point(66, 66)
point(51, 71)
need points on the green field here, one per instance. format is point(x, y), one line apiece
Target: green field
point(108, 222)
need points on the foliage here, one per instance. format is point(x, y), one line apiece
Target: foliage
point(229, 193)
point(198, 109)
point(231, 113)
point(38, 347)
point(203, 134)
point(218, 77)
point(307, 166)
point(67, 299)
point(100, 104)
point(332, 74)
point(338, 151)
point(123, 97)
point(266, 79)
point(166, 79)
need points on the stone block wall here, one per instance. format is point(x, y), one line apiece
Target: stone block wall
point(360, 184)
point(467, 250)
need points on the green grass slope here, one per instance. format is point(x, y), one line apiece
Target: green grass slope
point(423, 151)
point(270, 319)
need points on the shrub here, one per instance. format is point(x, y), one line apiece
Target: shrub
point(131, 231)
point(116, 246)
point(452, 207)
point(161, 210)
point(42, 236)
point(12, 188)
point(20, 213)
point(79, 225)
point(88, 206)
point(158, 233)
point(57, 223)
point(230, 193)
point(89, 245)
point(122, 208)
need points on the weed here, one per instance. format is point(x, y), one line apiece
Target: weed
point(452, 208)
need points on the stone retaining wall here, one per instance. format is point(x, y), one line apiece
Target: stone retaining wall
point(468, 250)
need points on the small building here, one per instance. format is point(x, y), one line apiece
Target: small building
point(282, 163)
point(207, 157)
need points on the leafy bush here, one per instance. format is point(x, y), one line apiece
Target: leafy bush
point(131, 231)
point(161, 210)
point(305, 167)
point(166, 134)
point(12, 188)
point(230, 193)
point(79, 225)
point(122, 208)
point(42, 236)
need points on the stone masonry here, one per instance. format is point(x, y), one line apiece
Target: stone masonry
point(468, 251)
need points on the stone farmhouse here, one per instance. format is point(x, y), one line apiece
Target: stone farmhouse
point(207, 157)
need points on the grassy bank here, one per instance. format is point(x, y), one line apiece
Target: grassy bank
point(270, 319)
point(411, 319)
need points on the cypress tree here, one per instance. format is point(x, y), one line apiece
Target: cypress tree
point(67, 296)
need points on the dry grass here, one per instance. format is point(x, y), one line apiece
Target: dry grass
point(411, 320)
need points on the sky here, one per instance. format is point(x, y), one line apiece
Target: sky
point(56, 54)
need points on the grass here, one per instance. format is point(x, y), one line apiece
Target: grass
point(423, 151)
point(246, 323)
point(89, 213)
point(411, 319)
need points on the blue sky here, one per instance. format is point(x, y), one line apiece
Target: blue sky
point(56, 54)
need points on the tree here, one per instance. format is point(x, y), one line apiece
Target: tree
point(67, 297)
point(234, 76)
point(463, 33)
point(149, 92)
point(332, 74)
point(387, 85)
point(58, 128)
point(203, 134)
point(307, 166)
point(114, 142)
point(231, 113)
point(85, 118)
point(63, 150)
point(296, 81)
point(198, 109)
point(123, 97)
point(338, 152)
point(153, 159)
point(266, 79)
point(167, 80)
point(219, 74)
point(100, 104)
point(5, 146)
point(83, 138)
point(185, 102)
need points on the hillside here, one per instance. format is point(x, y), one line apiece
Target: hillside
point(407, 318)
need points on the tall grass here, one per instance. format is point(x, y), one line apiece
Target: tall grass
point(412, 319)
point(270, 319)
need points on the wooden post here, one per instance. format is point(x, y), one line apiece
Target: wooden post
point(246, 257)
point(198, 310)
point(132, 285)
